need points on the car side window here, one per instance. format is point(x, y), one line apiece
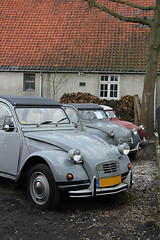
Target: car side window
point(5, 116)
point(71, 114)
point(87, 114)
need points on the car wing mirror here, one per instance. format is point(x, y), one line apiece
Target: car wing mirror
point(75, 124)
point(8, 128)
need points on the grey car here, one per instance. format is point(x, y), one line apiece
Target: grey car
point(92, 118)
point(40, 147)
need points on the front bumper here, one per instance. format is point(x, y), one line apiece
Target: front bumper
point(135, 149)
point(96, 191)
point(133, 142)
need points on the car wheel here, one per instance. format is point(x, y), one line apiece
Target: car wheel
point(42, 189)
point(132, 155)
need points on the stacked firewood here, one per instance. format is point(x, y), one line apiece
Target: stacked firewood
point(124, 107)
point(79, 97)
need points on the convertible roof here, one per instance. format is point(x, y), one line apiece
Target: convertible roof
point(106, 108)
point(86, 106)
point(30, 101)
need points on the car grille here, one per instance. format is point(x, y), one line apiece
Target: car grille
point(126, 140)
point(108, 169)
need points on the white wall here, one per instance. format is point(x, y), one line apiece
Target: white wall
point(131, 84)
point(69, 83)
point(12, 83)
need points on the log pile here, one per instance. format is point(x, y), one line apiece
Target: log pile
point(124, 107)
point(79, 97)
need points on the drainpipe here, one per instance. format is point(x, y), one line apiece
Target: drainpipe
point(40, 85)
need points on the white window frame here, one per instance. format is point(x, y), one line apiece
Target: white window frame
point(106, 83)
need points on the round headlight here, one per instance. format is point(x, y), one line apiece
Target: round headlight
point(124, 148)
point(134, 131)
point(111, 133)
point(75, 155)
point(141, 127)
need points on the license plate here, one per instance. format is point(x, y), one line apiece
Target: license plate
point(107, 182)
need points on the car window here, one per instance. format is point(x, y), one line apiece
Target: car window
point(71, 113)
point(92, 114)
point(41, 115)
point(111, 114)
point(5, 116)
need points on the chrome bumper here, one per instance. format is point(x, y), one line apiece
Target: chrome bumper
point(137, 148)
point(94, 191)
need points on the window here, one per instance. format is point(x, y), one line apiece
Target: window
point(40, 115)
point(82, 84)
point(5, 117)
point(71, 113)
point(109, 87)
point(29, 82)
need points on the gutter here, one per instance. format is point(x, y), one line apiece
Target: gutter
point(40, 84)
point(45, 70)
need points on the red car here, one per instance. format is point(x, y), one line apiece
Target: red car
point(113, 118)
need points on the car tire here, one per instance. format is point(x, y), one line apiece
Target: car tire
point(41, 188)
point(132, 155)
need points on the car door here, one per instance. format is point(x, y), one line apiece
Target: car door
point(9, 143)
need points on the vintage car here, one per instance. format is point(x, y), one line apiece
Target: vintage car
point(113, 118)
point(40, 147)
point(92, 118)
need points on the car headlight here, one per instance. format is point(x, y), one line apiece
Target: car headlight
point(134, 131)
point(141, 127)
point(111, 133)
point(124, 148)
point(75, 155)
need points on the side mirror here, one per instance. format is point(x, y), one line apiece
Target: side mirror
point(75, 124)
point(8, 128)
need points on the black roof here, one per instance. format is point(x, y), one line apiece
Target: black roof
point(86, 106)
point(30, 101)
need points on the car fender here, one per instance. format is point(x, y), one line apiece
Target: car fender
point(101, 134)
point(60, 165)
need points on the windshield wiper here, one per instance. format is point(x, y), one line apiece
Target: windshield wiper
point(50, 121)
point(61, 120)
point(45, 122)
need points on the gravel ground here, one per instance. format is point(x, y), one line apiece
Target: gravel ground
point(122, 216)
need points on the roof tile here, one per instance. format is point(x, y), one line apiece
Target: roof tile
point(68, 35)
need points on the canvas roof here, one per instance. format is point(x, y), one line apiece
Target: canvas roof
point(30, 101)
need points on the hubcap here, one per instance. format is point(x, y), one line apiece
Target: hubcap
point(39, 188)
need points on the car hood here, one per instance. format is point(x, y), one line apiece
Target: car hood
point(129, 125)
point(105, 125)
point(88, 144)
point(93, 149)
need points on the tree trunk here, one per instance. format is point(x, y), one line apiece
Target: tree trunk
point(137, 110)
point(147, 116)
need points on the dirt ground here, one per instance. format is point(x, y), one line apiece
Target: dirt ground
point(122, 216)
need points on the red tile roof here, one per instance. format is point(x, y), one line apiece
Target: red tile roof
point(68, 35)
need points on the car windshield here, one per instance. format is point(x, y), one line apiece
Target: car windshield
point(92, 114)
point(39, 116)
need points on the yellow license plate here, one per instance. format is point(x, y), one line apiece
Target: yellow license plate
point(107, 182)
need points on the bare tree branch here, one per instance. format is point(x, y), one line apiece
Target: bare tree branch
point(143, 20)
point(134, 5)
